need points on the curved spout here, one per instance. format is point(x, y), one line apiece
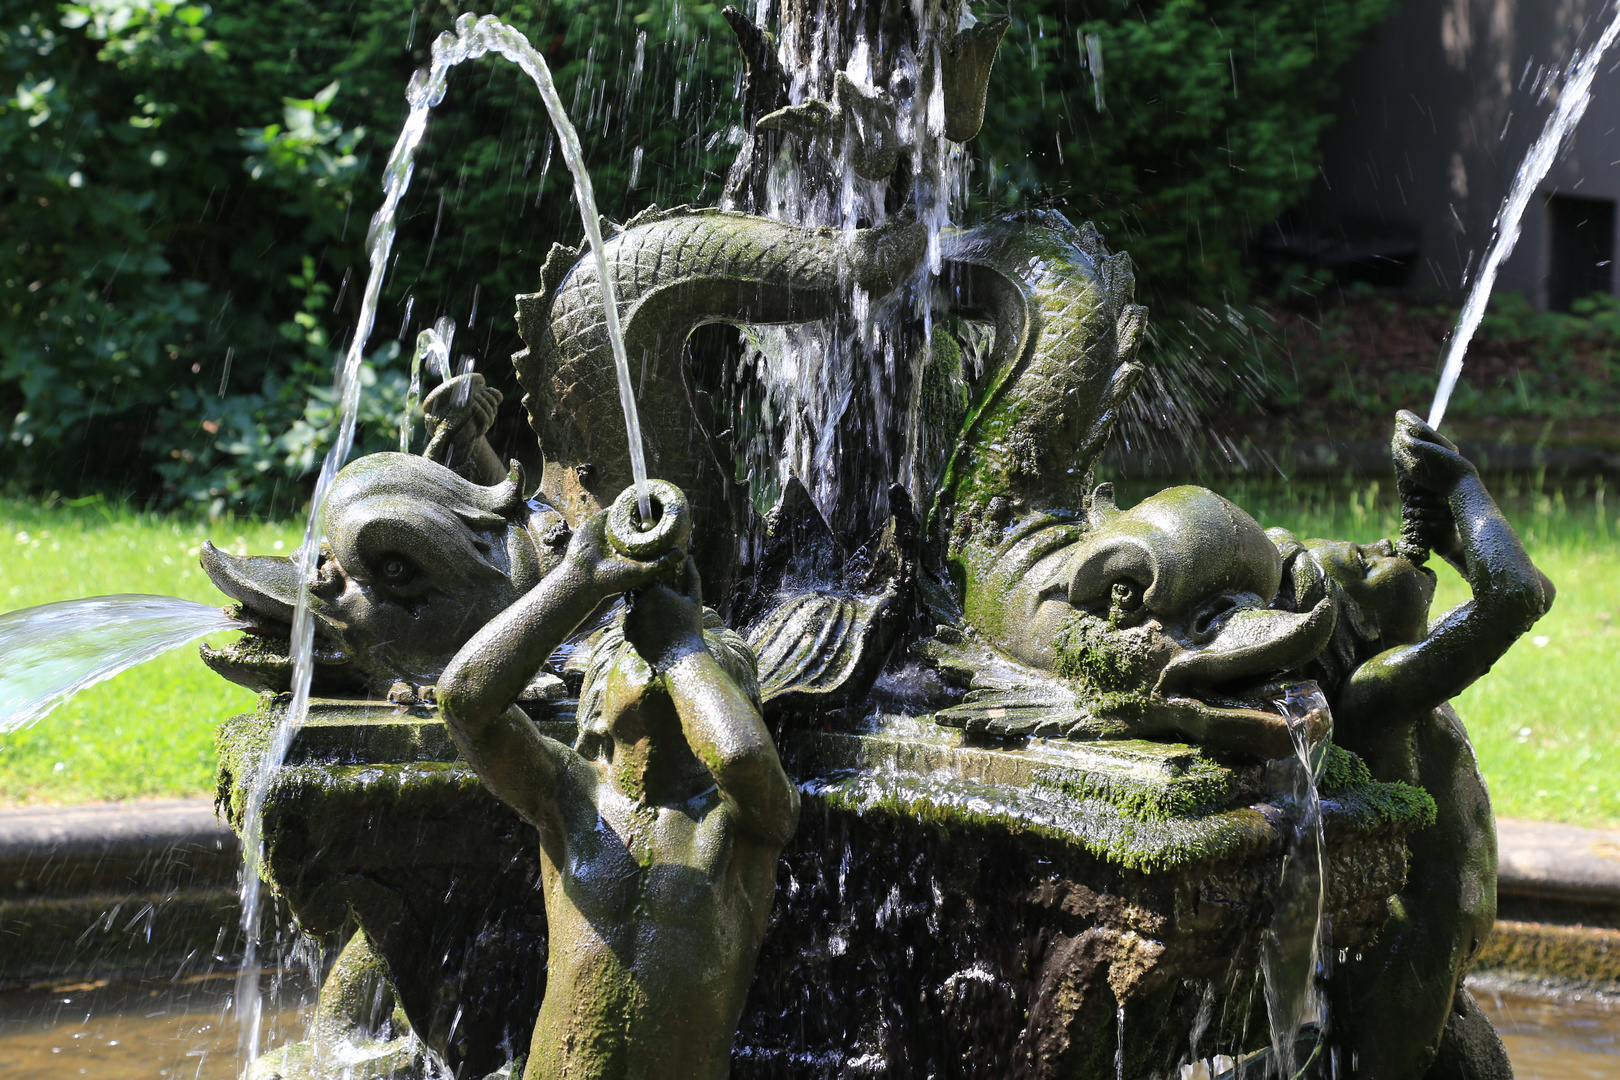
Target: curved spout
point(1252, 642)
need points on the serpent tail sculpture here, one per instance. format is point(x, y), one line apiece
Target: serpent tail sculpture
point(1062, 363)
point(675, 270)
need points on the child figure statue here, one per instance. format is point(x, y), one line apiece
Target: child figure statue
point(1399, 1010)
point(659, 832)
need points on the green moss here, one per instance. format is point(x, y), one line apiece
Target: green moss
point(1203, 788)
point(1093, 825)
point(1341, 769)
point(240, 743)
point(1092, 654)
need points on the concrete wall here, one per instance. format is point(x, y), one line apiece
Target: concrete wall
point(1438, 111)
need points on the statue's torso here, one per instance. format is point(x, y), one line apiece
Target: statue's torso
point(656, 915)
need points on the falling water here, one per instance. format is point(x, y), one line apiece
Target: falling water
point(837, 398)
point(432, 349)
point(1293, 946)
point(473, 38)
point(51, 652)
point(1572, 102)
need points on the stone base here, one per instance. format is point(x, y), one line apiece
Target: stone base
point(944, 909)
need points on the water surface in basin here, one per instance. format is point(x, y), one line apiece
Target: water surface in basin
point(138, 1029)
point(1556, 1038)
point(160, 1029)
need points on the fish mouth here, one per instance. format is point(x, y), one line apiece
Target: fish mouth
point(1252, 646)
point(1223, 694)
point(265, 588)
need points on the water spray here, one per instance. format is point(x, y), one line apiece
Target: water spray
point(1572, 102)
point(473, 38)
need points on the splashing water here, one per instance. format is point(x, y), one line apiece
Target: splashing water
point(837, 398)
point(51, 652)
point(432, 349)
point(1294, 944)
point(1572, 102)
point(473, 38)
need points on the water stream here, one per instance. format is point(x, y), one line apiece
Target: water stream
point(473, 37)
point(51, 652)
point(1572, 101)
point(432, 349)
point(1294, 944)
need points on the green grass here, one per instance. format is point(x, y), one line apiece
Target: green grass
point(1546, 721)
point(150, 731)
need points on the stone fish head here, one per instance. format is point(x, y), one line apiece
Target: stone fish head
point(414, 560)
point(1175, 621)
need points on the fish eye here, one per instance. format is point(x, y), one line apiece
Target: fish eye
point(395, 569)
point(1125, 599)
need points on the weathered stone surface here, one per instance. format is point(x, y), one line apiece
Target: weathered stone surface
point(943, 908)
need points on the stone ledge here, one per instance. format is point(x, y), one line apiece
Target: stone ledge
point(1550, 861)
point(164, 843)
point(1588, 955)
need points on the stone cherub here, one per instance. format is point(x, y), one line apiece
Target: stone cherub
point(1399, 1009)
point(659, 831)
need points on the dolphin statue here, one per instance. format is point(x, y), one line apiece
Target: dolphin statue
point(415, 560)
point(1153, 622)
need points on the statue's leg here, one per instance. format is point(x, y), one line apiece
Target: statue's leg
point(1391, 1008)
point(1470, 1049)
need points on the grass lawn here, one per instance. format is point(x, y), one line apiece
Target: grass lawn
point(150, 731)
point(1546, 721)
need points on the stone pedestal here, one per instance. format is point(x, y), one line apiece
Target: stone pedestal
point(945, 909)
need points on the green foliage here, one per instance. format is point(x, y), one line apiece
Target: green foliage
point(184, 191)
point(1361, 360)
point(1204, 128)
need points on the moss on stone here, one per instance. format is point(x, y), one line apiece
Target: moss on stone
point(1196, 790)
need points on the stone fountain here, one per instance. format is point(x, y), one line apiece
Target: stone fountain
point(885, 744)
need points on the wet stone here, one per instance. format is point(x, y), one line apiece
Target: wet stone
point(941, 904)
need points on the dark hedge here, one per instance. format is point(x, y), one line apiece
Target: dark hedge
point(185, 189)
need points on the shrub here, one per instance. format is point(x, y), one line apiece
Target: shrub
point(1198, 127)
point(185, 192)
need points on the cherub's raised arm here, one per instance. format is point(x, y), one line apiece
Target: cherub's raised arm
point(1509, 593)
point(459, 414)
point(480, 685)
point(721, 724)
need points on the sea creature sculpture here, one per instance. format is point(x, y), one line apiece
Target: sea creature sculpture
point(675, 270)
point(659, 831)
point(1156, 622)
point(416, 560)
point(1399, 1007)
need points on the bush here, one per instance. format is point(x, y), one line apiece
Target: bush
point(1198, 128)
point(1345, 371)
point(185, 193)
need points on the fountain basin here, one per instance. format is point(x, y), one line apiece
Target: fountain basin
point(944, 907)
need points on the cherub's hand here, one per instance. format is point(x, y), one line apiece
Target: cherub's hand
point(1427, 468)
point(461, 410)
point(1425, 459)
point(665, 624)
point(591, 563)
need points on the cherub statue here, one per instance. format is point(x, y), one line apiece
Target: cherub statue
point(1400, 1010)
point(659, 831)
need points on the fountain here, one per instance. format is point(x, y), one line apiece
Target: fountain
point(872, 737)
